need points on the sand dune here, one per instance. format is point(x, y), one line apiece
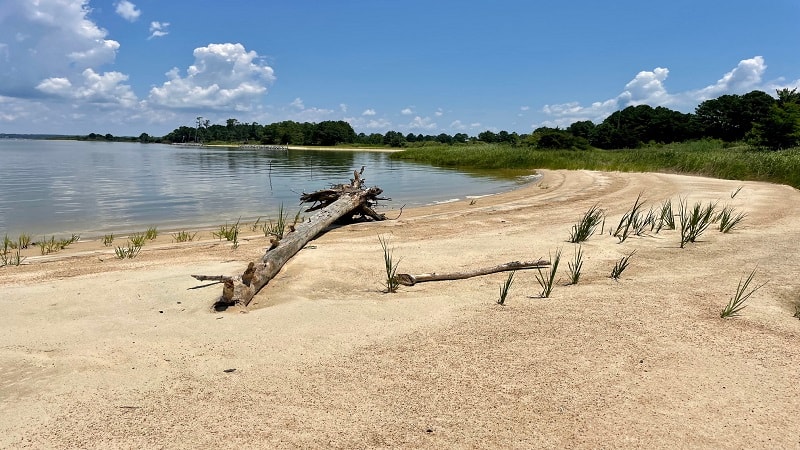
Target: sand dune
point(97, 352)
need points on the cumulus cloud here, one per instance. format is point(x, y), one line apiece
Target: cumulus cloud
point(46, 39)
point(127, 11)
point(369, 112)
point(223, 76)
point(158, 29)
point(647, 88)
point(407, 112)
point(439, 112)
point(99, 89)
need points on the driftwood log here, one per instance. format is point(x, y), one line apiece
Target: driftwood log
point(331, 205)
point(410, 280)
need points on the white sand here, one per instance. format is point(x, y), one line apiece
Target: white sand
point(97, 352)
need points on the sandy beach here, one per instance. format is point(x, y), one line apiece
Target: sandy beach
point(97, 352)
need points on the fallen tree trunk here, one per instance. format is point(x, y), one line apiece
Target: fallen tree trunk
point(410, 280)
point(342, 201)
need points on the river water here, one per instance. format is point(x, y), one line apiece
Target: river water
point(94, 188)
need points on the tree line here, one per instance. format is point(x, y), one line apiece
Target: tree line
point(757, 118)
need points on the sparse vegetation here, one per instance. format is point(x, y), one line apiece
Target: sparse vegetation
point(138, 239)
point(131, 250)
point(505, 288)
point(547, 277)
point(666, 217)
point(574, 267)
point(584, 229)
point(632, 221)
point(278, 228)
point(728, 219)
point(390, 265)
point(108, 239)
point(184, 236)
point(736, 192)
point(229, 232)
point(24, 241)
point(620, 266)
point(151, 234)
point(743, 292)
point(695, 220)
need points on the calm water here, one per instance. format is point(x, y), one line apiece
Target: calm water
point(94, 188)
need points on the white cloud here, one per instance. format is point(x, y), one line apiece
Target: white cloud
point(407, 112)
point(127, 11)
point(369, 112)
point(457, 125)
point(647, 87)
point(438, 112)
point(223, 76)
point(158, 29)
point(524, 108)
point(420, 123)
point(94, 88)
point(48, 38)
point(297, 103)
point(745, 77)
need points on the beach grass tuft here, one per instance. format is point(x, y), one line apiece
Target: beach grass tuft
point(184, 236)
point(547, 277)
point(390, 266)
point(632, 222)
point(131, 250)
point(108, 239)
point(666, 217)
point(505, 287)
point(584, 229)
point(620, 266)
point(743, 293)
point(574, 267)
point(151, 234)
point(728, 219)
point(695, 220)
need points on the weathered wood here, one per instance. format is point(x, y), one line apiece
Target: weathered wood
point(349, 200)
point(410, 280)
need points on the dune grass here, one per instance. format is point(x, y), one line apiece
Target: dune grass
point(707, 157)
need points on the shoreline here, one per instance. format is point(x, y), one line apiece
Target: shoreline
point(100, 352)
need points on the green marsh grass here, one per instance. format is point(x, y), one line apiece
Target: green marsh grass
point(620, 266)
point(584, 229)
point(390, 266)
point(505, 287)
point(743, 293)
point(710, 158)
point(547, 277)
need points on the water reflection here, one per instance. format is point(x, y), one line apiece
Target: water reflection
point(63, 187)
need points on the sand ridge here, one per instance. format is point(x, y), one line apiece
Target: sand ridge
point(98, 352)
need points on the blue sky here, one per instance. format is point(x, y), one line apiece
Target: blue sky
point(425, 67)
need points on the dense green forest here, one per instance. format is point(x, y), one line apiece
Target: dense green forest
point(757, 118)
